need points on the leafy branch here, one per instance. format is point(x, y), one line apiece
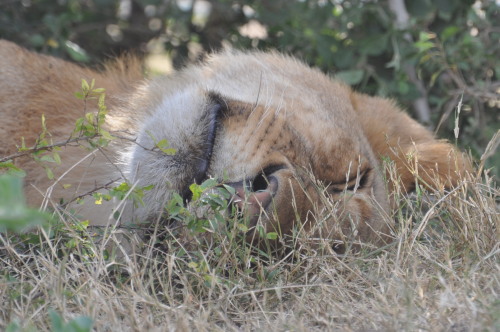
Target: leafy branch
point(28, 151)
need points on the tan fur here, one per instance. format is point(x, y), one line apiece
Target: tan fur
point(271, 110)
point(32, 85)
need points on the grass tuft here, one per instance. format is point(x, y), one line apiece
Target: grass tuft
point(440, 273)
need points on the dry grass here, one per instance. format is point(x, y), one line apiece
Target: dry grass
point(440, 273)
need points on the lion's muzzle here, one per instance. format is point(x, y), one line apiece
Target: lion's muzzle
point(252, 198)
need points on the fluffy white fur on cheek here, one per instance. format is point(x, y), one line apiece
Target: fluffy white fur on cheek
point(176, 114)
point(176, 119)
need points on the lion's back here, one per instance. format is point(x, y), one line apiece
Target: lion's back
point(32, 85)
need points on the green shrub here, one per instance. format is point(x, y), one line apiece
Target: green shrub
point(452, 45)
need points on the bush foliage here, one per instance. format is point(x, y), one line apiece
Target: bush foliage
point(451, 45)
point(439, 273)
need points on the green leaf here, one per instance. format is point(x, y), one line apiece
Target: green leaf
point(163, 145)
point(209, 183)
point(47, 158)
point(122, 187)
point(242, 227)
point(57, 158)
point(101, 101)
point(229, 189)
point(23, 145)
point(56, 320)
point(434, 77)
point(76, 52)
point(449, 32)
point(260, 230)
point(79, 124)
point(196, 190)
point(80, 324)
point(146, 188)
point(350, 77)
point(12, 169)
point(14, 214)
point(373, 44)
point(425, 36)
point(14, 327)
point(423, 46)
point(85, 85)
point(49, 172)
point(272, 236)
point(403, 87)
point(106, 135)
point(37, 40)
point(44, 125)
point(337, 11)
point(89, 117)
point(169, 152)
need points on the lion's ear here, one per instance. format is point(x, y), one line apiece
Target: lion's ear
point(416, 154)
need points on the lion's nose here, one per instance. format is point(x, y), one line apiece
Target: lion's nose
point(253, 197)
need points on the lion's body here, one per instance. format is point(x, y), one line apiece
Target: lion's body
point(236, 117)
point(33, 85)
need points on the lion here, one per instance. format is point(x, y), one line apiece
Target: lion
point(265, 124)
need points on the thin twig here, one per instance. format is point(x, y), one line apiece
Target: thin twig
point(88, 193)
point(45, 148)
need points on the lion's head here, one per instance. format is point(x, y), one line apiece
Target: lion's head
point(290, 140)
point(263, 123)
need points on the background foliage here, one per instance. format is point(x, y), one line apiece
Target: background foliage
point(452, 45)
point(440, 272)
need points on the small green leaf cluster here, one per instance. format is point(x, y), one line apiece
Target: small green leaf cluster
point(78, 324)
point(44, 152)
point(219, 248)
point(122, 191)
point(88, 128)
point(162, 145)
point(23, 223)
point(14, 214)
point(210, 195)
point(219, 254)
point(31, 228)
point(8, 167)
point(91, 124)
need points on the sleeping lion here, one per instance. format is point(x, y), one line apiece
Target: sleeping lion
point(282, 134)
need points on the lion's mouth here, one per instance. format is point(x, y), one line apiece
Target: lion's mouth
point(253, 198)
point(250, 202)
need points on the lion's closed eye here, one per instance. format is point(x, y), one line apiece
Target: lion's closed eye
point(354, 182)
